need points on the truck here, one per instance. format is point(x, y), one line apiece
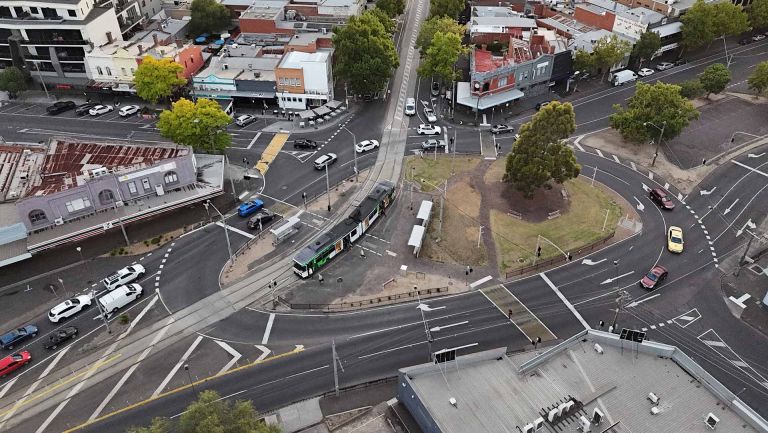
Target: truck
point(625, 76)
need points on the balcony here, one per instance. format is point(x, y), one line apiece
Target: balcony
point(129, 22)
point(71, 58)
point(72, 42)
point(36, 57)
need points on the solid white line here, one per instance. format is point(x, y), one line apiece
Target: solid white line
point(235, 355)
point(139, 317)
point(268, 330)
point(236, 230)
point(8, 386)
point(177, 366)
point(256, 137)
point(53, 415)
point(749, 168)
point(564, 300)
point(480, 281)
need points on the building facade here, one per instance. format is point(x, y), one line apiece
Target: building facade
point(304, 80)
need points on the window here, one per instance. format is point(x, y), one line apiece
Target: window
point(132, 188)
point(171, 177)
point(502, 81)
point(106, 197)
point(78, 204)
point(34, 10)
point(133, 71)
point(37, 216)
point(145, 183)
point(99, 70)
point(123, 70)
point(109, 71)
point(72, 13)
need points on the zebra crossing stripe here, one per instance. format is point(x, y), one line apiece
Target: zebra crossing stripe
point(714, 343)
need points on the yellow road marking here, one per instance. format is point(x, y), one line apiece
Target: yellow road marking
point(270, 153)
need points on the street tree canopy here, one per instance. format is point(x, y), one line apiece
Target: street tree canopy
point(434, 25)
point(201, 125)
point(758, 14)
point(441, 56)
point(653, 104)
point(583, 61)
point(715, 78)
point(209, 16)
point(540, 154)
point(609, 50)
point(446, 8)
point(384, 19)
point(155, 79)
point(728, 19)
point(703, 22)
point(692, 89)
point(646, 47)
point(392, 8)
point(365, 54)
point(758, 80)
point(13, 80)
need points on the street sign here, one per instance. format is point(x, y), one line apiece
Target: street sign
point(632, 335)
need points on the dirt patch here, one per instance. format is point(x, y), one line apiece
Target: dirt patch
point(430, 172)
point(146, 245)
point(402, 284)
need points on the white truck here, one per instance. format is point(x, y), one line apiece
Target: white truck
point(120, 297)
point(625, 76)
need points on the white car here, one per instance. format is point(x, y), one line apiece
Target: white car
point(425, 129)
point(129, 110)
point(645, 72)
point(100, 109)
point(69, 308)
point(410, 107)
point(663, 66)
point(244, 120)
point(124, 276)
point(325, 160)
point(430, 115)
point(366, 145)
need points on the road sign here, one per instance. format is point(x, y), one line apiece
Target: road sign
point(632, 335)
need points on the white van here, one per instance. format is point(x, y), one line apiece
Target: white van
point(120, 297)
point(410, 107)
point(625, 76)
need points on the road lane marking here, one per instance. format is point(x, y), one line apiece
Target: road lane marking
point(8, 386)
point(138, 317)
point(253, 141)
point(235, 356)
point(264, 352)
point(177, 366)
point(754, 170)
point(268, 330)
point(564, 300)
point(640, 301)
point(480, 281)
point(234, 229)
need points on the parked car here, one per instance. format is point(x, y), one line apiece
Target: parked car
point(745, 41)
point(129, 110)
point(680, 61)
point(60, 107)
point(435, 88)
point(83, 109)
point(675, 239)
point(325, 160)
point(432, 143)
point(250, 207)
point(758, 37)
point(13, 338)
point(622, 77)
point(261, 218)
point(244, 120)
point(425, 129)
point(430, 115)
point(100, 109)
point(304, 143)
point(541, 105)
point(654, 277)
point(661, 198)
point(124, 276)
point(120, 297)
point(501, 129)
point(11, 363)
point(366, 145)
point(69, 308)
point(59, 337)
point(644, 72)
point(663, 66)
point(410, 107)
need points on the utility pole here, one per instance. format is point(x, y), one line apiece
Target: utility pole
point(479, 236)
point(102, 313)
point(442, 205)
point(743, 256)
point(231, 180)
point(335, 371)
point(226, 229)
point(328, 186)
point(426, 327)
point(623, 296)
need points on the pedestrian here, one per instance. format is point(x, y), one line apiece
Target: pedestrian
point(320, 278)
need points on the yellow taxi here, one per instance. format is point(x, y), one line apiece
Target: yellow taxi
point(675, 239)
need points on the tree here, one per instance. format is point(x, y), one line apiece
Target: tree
point(655, 103)
point(715, 78)
point(392, 8)
point(646, 47)
point(441, 56)
point(156, 79)
point(583, 61)
point(446, 8)
point(13, 80)
point(365, 54)
point(434, 25)
point(758, 14)
point(211, 414)
point(159, 425)
point(691, 89)
point(609, 50)
point(540, 153)
point(758, 80)
point(728, 19)
point(209, 16)
point(698, 27)
point(384, 19)
point(201, 125)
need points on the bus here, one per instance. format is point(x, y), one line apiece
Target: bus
point(341, 236)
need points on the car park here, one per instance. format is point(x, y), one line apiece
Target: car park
point(758, 37)
point(261, 218)
point(661, 198)
point(69, 308)
point(60, 107)
point(124, 276)
point(675, 240)
point(100, 109)
point(11, 363)
point(60, 336)
point(249, 207)
point(366, 145)
point(244, 120)
point(12, 338)
point(501, 129)
point(425, 129)
point(435, 88)
point(120, 297)
point(654, 277)
point(304, 143)
point(663, 66)
point(432, 143)
point(410, 107)
point(644, 72)
point(430, 115)
point(129, 110)
point(325, 160)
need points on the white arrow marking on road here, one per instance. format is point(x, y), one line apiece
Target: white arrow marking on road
point(640, 301)
point(646, 188)
point(752, 155)
point(705, 192)
point(639, 206)
point(425, 307)
point(589, 262)
point(298, 348)
point(749, 224)
point(264, 352)
point(730, 207)
point(438, 328)
point(235, 355)
point(610, 280)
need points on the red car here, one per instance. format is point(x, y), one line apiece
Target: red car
point(11, 363)
point(661, 198)
point(654, 277)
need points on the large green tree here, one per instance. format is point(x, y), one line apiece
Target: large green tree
point(159, 425)
point(715, 78)
point(583, 61)
point(441, 56)
point(608, 51)
point(540, 154)
point(646, 47)
point(434, 25)
point(200, 124)
point(446, 8)
point(209, 16)
point(728, 19)
point(365, 54)
point(758, 80)
point(156, 79)
point(13, 80)
point(692, 89)
point(384, 19)
point(758, 14)
point(392, 8)
point(698, 27)
point(653, 104)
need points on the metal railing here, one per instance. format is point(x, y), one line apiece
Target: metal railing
point(544, 264)
point(372, 302)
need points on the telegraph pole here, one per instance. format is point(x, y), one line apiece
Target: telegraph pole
point(335, 371)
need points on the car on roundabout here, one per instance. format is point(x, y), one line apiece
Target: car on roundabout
point(675, 240)
point(654, 277)
point(260, 219)
point(325, 161)
point(661, 198)
point(430, 115)
point(366, 145)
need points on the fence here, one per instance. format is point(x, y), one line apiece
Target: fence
point(371, 302)
point(544, 264)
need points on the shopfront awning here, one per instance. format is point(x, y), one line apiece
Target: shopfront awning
point(13, 244)
point(465, 97)
point(322, 111)
point(333, 104)
point(669, 29)
point(307, 114)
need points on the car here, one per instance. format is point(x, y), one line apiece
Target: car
point(83, 109)
point(13, 338)
point(11, 363)
point(57, 338)
point(745, 41)
point(304, 143)
point(432, 143)
point(120, 297)
point(261, 218)
point(410, 107)
point(129, 110)
point(501, 129)
point(60, 107)
point(325, 160)
point(663, 66)
point(100, 109)
point(661, 198)
point(675, 240)
point(654, 277)
point(244, 120)
point(425, 129)
point(681, 61)
point(758, 37)
point(69, 308)
point(430, 115)
point(124, 276)
point(366, 145)
point(249, 207)
point(541, 105)
point(644, 72)
point(435, 88)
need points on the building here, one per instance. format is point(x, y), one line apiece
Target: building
point(490, 25)
point(600, 14)
point(670, 8)
point(304, 79)
point(634, 22)
point(594, 381)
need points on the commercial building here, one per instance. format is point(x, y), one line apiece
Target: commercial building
point(495, 24)
point(600, 14)
point(634, 22)
point(305, 79)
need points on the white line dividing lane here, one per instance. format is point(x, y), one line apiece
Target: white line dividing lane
point(8, 386)
point(754, 170)
point(253, 141)
point(177, 366)
point(236, 230)
point(564, 300)
point(268, 330)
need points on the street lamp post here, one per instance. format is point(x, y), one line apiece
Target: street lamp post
point(102, 313)
point(354, 151)
point(40, 74)
point(189, 376)
point(661, 135)
point(226, 228)
point(424, 321)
